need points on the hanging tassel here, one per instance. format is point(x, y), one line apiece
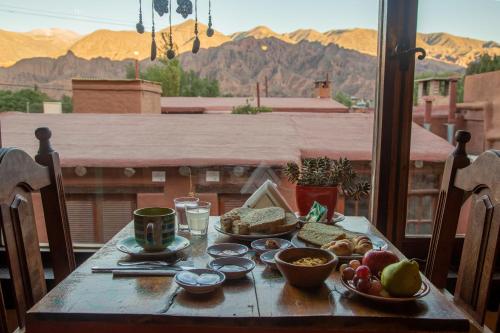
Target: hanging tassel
point(139, 26)
point(153, 42)
point(196, 43)
point(210, 31)
point(170, 51)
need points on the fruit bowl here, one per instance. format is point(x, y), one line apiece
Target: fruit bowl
point(424, 290)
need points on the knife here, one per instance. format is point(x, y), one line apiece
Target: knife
point(97, 269)
point(142, 272)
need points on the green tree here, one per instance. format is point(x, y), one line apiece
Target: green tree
point(193, 85)
point(485, 63)
point(23, 100)
point(67, 104)
point(166, 73)
point(343, 99)
point(175, 81)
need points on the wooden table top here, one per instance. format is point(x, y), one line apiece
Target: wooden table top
point(87, 302)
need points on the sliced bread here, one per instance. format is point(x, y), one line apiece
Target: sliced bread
point(290, 224)
point(261, 220)
point(320, 234)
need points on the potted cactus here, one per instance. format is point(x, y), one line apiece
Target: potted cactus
point(320, 179)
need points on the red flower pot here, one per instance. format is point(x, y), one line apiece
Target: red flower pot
point(306, 195)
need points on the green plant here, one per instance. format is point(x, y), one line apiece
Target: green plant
point(343, 98)
point(249, 109)
point(325, 172)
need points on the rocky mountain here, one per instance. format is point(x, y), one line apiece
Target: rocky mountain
point(291, 69)
point(119, 45)
point(37, 43)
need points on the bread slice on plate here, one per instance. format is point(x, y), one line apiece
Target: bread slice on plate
point(261, 220)
point(290, 224)
point(320, 234)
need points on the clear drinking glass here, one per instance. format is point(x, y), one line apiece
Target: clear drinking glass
point(198, 217)
point(180, 210)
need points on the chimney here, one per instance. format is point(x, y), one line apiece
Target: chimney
point(428, 113)
point(453, 101)
point(322, 88)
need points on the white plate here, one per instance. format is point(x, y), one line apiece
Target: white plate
point(201, 289)
point(424, 290)
point(130, 246)
point(253, 236)
point(378, 243)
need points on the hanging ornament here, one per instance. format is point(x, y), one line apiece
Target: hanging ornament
point(139, 26)
point(153, 42)
point(170, 51)
point(185, 8)
point(196, 43)
point(210, 31)
point(161, 6)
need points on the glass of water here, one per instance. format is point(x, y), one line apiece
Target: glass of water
point(198, 217)
point(180, 210)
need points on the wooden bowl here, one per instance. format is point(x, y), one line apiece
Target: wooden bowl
point(305, 276)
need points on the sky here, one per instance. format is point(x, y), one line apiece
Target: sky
point(470, 18)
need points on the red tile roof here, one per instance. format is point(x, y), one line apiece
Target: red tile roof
point(206, 139)
point(226, 104)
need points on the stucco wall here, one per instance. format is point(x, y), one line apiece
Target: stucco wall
point(485, 87)
point(116, 96)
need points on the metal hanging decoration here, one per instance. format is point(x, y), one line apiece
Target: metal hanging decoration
point(185, 8)
point(196, 43)
point(153, 41)
point(210, 31)
point(170, 51)
point(140, 26)
point(161, 6)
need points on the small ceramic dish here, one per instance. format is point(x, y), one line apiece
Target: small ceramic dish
point(259, 245)
point(305, 276)
point(232, 267)
point(199, 280)
point(268, 258)
point(223, 250)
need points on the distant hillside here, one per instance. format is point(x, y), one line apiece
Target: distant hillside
point(119, 45)
point(37, 43)
point(291, 68)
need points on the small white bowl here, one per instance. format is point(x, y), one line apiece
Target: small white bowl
point(201, 289)
point(268, 258)
point(259, 245)
point(224, 265)
point(224, 250)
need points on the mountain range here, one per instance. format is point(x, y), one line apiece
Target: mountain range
point(120, 45)
point(291, 62)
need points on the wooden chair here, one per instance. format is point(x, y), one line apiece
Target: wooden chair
point(20, 176)
point(479, 181)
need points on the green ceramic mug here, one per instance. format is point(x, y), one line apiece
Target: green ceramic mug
point(154, 228)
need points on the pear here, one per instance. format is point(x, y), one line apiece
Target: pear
point(402, 279)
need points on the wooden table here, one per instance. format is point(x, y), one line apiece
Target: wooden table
point(93, 303)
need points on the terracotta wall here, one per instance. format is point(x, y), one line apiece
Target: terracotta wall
point(116, 96)
point(485, 87)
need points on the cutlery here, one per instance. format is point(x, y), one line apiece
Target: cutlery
point(142, 272)
point(97, 269)
point(147, 263)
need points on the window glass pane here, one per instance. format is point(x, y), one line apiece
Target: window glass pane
point(463, 60)
point(276, 83)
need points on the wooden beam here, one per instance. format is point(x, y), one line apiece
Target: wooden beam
point(393, 118)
